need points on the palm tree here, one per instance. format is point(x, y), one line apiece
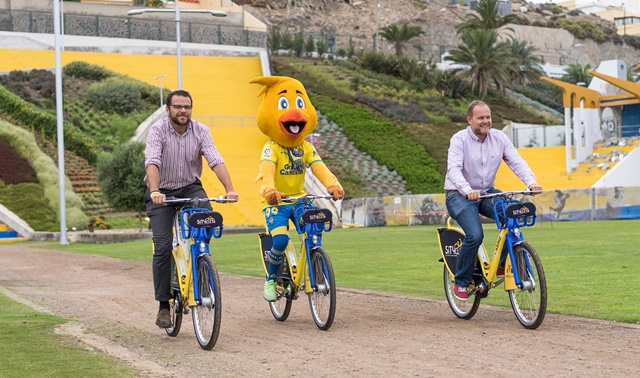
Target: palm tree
point(577, 74)
point(527, 66)
point(487, 18)
point(400, 35)
point(487, 59)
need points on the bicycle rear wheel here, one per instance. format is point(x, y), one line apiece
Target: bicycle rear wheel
point(462, 309)
point(322, 300)
point(281, 308)
point(529, 303)
point(175, 311)
point(208, 313)
point(176, 314)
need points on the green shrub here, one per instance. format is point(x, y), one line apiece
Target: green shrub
point(309, 45)
point(274, 38)
point(582, 29)
point(298, 44)
point(84, 70)
point(114, 95)
point(322, 47)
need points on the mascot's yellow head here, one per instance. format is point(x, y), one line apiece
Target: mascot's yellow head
point(285, 114)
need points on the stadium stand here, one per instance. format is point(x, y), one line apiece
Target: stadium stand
point(548, 163)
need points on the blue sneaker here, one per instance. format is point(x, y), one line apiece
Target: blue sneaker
point(269, 292)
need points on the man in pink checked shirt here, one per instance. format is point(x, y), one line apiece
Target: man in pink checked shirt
point(173, 162)
point(475, 154)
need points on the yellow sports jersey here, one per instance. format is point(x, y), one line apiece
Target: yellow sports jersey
point(291, 165)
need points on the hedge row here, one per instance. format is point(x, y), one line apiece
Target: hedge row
point(30, 115)
point(385, 142)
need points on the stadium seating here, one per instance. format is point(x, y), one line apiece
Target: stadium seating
point(548, 163)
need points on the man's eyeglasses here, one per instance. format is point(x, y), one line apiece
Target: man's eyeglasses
point(181, 107)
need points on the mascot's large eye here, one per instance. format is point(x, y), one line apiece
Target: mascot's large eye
point(300, 103)
point(283, 103)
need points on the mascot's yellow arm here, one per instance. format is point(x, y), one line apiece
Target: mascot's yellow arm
point(266, 174)
point(325, 176)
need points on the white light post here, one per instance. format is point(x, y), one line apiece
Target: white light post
point(160, 77)
point(60, 123)
point(177, 11)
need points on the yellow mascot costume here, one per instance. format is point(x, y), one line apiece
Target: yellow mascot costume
point(287, 117)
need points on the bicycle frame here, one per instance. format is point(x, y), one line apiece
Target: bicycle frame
point(310, 235)
point(509, 220)
point(524, 278)
point(509, 233)
point(191, 239)
point(194, 240)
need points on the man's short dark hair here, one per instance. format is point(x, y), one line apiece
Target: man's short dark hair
point(473, 105)
point(178, 92)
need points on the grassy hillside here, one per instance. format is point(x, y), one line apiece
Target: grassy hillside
point(102, 110)
point(421, 115)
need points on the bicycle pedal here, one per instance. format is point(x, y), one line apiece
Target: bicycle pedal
point(185, 311)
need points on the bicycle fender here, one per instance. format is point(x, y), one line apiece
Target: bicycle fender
point(450, 240)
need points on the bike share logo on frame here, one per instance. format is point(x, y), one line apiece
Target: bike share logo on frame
point(319, 216)
point(521, 210)
point(206, 219)
point(453, 250)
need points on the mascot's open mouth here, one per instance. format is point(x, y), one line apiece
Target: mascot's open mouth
point(293, 127)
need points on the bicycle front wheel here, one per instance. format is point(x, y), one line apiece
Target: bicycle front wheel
point(529, 303)
point(322, 299)
point(462, 309)
point(208, 313)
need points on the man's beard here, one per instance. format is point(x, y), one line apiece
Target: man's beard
point(175, 119)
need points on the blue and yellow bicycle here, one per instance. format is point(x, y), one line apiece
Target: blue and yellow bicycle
point(309, 269)
point(524, 279)
point(195, 284)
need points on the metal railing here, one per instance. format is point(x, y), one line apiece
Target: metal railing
point(132, 28)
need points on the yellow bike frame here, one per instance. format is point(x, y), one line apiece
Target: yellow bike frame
point(297, 265)
point(489, 266)
point(182, 258)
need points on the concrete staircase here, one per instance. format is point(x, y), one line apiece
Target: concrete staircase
point(378, 178)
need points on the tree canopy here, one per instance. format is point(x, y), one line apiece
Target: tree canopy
point(399, 35)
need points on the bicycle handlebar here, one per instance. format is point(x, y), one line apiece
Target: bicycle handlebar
point(308, 196)
point(509, 195)
point(220, 199)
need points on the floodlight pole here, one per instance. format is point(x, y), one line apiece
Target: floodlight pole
point(60, 124)
point(177, 12)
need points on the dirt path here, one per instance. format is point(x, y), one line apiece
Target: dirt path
point(374, 334)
